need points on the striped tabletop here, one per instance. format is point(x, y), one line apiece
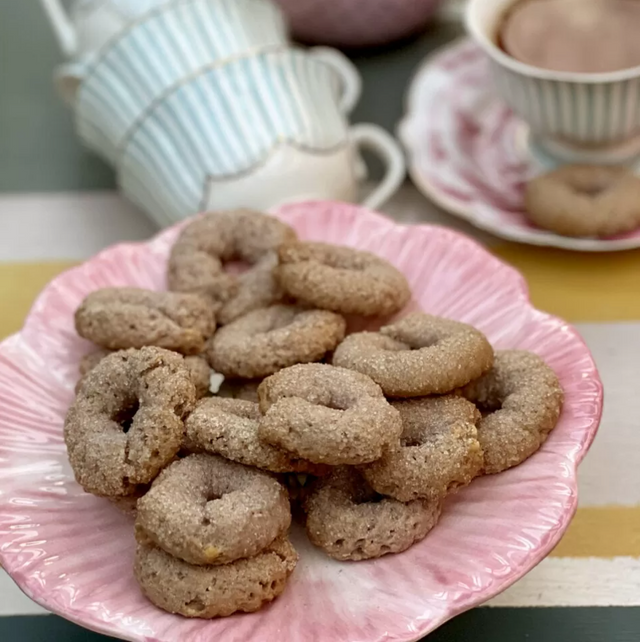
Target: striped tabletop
point(57, 207)
point(597, 562)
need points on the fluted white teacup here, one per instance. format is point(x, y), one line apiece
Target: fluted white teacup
point(256, 131)
point(111, 89)
point(572, 117)
point(114, 95)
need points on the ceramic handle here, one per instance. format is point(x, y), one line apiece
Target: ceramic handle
point(351, 81)
point(377, 140)
point(62, 26)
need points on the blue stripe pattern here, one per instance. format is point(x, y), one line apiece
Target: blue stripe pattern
point(225, 122)
point(580, 113)
point(167, 45)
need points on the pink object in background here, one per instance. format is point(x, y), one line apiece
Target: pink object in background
point(73, 553)
point(356, 23)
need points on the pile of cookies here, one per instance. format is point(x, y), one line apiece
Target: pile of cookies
point(363, 434)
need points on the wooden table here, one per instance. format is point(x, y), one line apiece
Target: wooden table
point(57, 207)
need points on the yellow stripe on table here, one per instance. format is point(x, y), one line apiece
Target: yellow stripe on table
point(579, 287)
point(20, 283)
point(602, 531)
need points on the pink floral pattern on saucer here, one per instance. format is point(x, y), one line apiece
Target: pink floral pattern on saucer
point(73, 553)
point(468, 152)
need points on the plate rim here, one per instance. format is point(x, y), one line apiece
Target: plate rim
point(499, 584)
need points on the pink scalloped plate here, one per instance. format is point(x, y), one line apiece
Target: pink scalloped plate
point(72, 552)
point(469, 153)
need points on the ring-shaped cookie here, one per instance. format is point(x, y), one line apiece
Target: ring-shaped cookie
point(126, 423)
point(521, 400)
point(327, 415)
point(197, 366)
point(204, 509)
point(120, 318)
point(585, 200)
point(417, 356)
point(128, 504)
point(267, 340)
point(342, 279)
point(438, 451)
point(229, 428)
point(197, 260)
point(91, 360)
point(299, 487)
point(350, 521)
point(200, 372)
point(214, 591)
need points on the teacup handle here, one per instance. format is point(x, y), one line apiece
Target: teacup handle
point(351, 80)
point(62, 26)
point(381, 143)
